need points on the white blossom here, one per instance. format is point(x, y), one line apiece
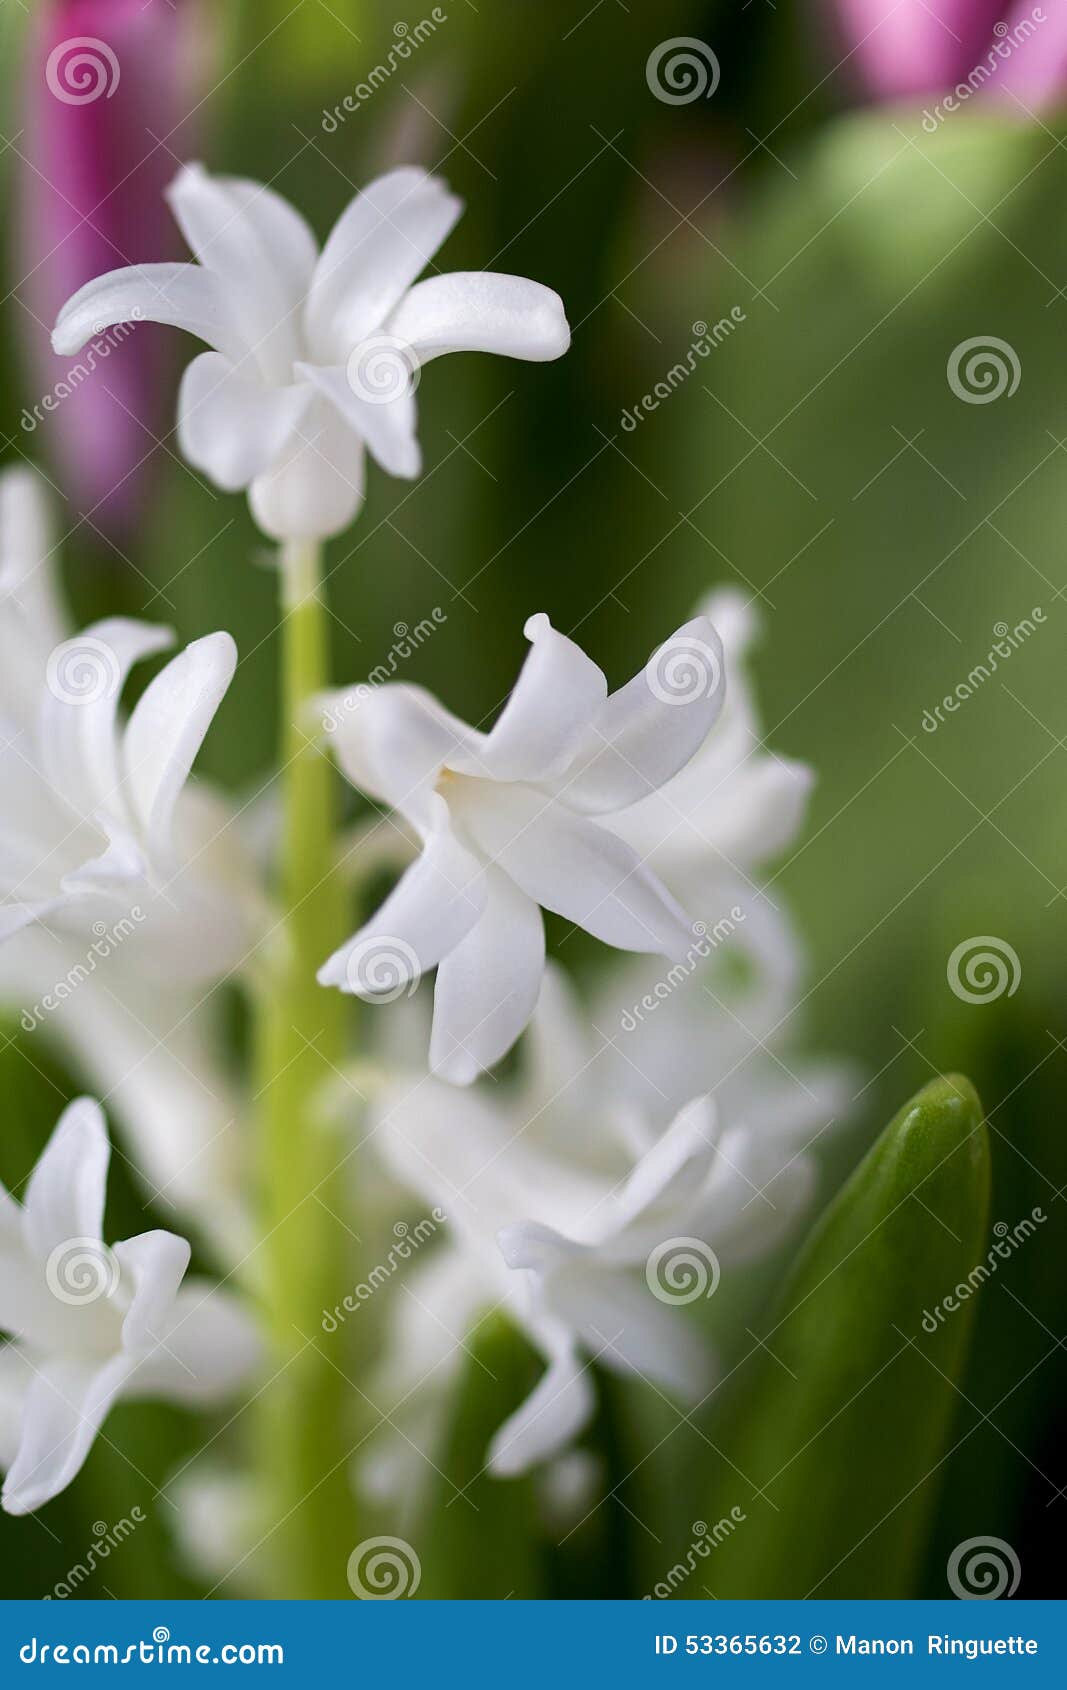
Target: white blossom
point(125, 891)
point(564, 1204)
point(517, 820)
point(89, 1324)
point(314, 356)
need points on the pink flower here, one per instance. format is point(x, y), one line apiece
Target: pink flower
point(1013, 50)
point(106, 87)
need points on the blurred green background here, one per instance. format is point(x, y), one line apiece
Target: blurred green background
point(818, 458)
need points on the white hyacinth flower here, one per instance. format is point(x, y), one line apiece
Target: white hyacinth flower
point(315, 356)
point(99, 820)
point(575, 1212)
point(89, 1324)
point(517, 820)
point(123, 888)
point(735, 804)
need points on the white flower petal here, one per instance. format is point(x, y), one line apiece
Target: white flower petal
point(79, 706)
point(261, 248)
point(28, 569)
point(15, 1377)
point(479, 311)
point(643, 735)
point(662, 1186)
point(154, 1050)
point(183, 295)
point(230, 424)
point(387, 427)
point(392, 742)
point(207, 1349)
point(155, 1263)
point(430, 911)
point(380, 243)
point(559, 1047)
point(66, 1191)
point(168, 725)
point(315, 488)
point(610, 1307)
point(560, 1406)
point(487, 987)
point(66, 1404)
point(576, 868)
point(546, 716)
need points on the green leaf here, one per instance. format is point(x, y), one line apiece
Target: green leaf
point(479, 1536)
point(846, 1427)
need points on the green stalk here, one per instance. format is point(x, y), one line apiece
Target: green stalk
point(301, 1045)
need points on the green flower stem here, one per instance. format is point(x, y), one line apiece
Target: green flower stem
point(305, 1249)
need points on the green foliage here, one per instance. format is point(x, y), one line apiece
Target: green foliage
point(844, 1429)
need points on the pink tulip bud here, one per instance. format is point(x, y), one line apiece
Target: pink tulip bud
point(108, 84)
point(1011, 50)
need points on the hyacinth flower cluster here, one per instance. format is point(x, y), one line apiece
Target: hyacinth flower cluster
point(599, 1155)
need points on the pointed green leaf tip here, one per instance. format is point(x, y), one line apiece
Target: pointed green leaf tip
point(842, 1428)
